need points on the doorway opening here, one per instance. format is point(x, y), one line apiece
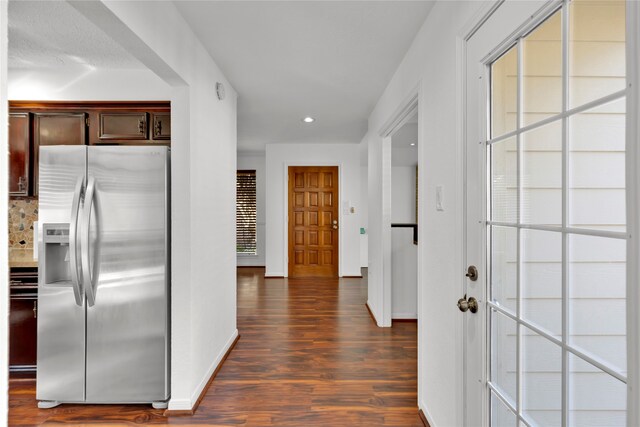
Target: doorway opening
point(404, 221)
point(401, 193)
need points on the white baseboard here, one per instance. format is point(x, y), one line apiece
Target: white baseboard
point(274, 275)
point(410, 316)
point(373, 313)
point(426, 413)
point(352, 274)
point(179, 405)
point(205, 379)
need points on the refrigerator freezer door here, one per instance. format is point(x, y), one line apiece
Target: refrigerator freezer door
point(61, 308)
point(127, 325)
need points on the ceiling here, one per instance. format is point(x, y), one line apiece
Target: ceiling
point(287, 59)
point(53, 35)
point(327, 59)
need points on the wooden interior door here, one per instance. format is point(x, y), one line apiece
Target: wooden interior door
point(313, 221)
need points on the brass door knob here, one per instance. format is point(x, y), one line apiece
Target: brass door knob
point(470, 304)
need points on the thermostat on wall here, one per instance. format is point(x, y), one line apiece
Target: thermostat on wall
point(220, 91)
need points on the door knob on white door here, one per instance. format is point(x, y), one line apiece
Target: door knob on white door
point(470, 304)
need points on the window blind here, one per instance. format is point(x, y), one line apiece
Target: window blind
point(246, 212)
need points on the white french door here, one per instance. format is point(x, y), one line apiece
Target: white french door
point(546, 227)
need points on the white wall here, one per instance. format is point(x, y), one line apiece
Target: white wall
point(404, 254)
point(374, 232)
point(404, 274)
point(403, 194)
point(256, 161)
point(4, 226)
point(203, 185)
point(430, 67)
point(278, 158)
point(87, 85)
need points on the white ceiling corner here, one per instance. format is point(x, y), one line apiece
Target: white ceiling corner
point(53, 35)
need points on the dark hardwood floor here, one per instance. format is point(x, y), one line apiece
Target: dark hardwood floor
point(309, 355)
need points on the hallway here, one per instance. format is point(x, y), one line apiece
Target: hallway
point(309, 354)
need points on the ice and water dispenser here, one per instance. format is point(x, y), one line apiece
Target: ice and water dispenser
point(57, 263)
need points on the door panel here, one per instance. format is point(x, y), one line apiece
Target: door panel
point(123, 126)
point(313, 225)
point(127, 328)
point(545, 214)
point(23, 326)
point(56, 129)
point(19, 149)
point(61, 322)
point(161, 126)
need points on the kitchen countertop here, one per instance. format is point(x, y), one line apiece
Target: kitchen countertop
point(21, 258)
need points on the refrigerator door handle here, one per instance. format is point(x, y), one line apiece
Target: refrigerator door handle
point(89, 275)
point(73, 241)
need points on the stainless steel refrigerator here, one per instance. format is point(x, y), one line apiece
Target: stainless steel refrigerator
point(103, 277)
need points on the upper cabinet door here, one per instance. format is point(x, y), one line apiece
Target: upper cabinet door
point(57, 129)
point(162, 126)
point(19, 154)
point(123, 126)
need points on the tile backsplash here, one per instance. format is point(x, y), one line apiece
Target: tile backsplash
point(22, 214)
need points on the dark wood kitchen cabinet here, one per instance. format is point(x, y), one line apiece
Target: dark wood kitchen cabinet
point(23, 322)
point(56, 129)
point(19, 154)
point(161, 126)
point(123, 126)
point(33, 124)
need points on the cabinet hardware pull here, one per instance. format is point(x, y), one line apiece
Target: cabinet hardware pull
point(158, 130)
point(35, 309)
point(141, 126)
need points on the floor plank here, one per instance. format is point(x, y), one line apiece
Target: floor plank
point(309, 355)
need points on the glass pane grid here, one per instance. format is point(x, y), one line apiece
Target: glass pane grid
point(503, 411)
point(559, 206)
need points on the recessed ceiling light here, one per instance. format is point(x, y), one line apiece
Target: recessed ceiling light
point(308, 119)
point(413, 143)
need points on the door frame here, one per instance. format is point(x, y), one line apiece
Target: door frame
point(632, 197)
point(413, 102)
point(633, 212)
point(285, 224)
point(403, 112)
